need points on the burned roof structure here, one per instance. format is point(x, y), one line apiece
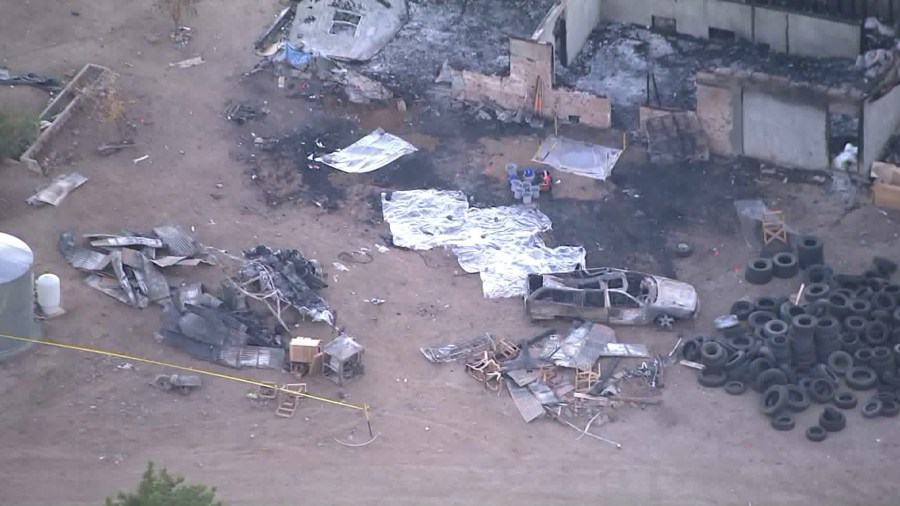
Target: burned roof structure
point(350, 30)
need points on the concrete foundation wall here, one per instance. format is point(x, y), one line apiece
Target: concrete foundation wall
point(785, 32)
point(786, 132)
point(582, 16)
point(881, 118)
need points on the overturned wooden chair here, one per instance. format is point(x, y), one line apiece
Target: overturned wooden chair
point(487, 371)
point(290, 401)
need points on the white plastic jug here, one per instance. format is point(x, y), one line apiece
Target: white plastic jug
point(48, 294)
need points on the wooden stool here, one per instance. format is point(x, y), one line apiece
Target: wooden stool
point(506, 350)
point(585, 380)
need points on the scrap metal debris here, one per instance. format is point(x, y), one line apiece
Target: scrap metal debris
point(241, 113)
point(126, 267)
point(114, 147)
point(566, 380)
point(209, 329)
point(284, 279)
point(55, 192)
point(47, 84)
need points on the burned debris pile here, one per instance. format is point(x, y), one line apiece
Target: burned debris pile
point(284, 279)
point(832, 343)
point(225, 331)
point(127, 266)
point(562, 376)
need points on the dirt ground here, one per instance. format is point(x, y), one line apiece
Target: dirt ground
point(77, 428)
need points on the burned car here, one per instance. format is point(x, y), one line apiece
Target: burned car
point(607, 295)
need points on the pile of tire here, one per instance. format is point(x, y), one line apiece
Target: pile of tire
point(841, 341)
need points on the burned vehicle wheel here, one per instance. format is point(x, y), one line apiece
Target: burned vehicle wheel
point(683, 250)
point(665, 322)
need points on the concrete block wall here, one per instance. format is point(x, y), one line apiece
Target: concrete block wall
point(719, 110)
point(529, 60)
point(785, 131)
point(785, 32)
point(881, 118)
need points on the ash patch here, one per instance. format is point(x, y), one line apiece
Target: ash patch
point(615, 61)
point(471, 34)
point(630, 228)
point(285, 168)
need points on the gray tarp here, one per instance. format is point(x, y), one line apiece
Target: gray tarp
point(576, 157)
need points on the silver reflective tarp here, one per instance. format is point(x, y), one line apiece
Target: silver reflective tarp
point(372, 152)
point(576, 157)
point(502, 243)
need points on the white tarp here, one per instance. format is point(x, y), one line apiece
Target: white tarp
point(372, 152)
point(502, 243)
point(576, 157)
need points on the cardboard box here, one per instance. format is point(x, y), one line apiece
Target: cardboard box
point(886, 189)
point(304, 349)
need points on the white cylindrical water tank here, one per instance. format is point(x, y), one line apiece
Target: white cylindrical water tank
point(48, 294)
point(16, 293)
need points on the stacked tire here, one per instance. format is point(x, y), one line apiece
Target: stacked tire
point(836, 347)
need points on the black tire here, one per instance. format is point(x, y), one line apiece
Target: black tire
point(849, 281)
point(832, 419)
point(789, 373)
point(893, 290)
point(781, 347)
point(785, 265)
point(804, 326)
point(691, 348)
point(861, 378)
point(742, 309)
point(769, 378)
point(817, 291)
point(683, 249)
point(815, 274)
point(824, 372)
point(889, 408)
point(839, 362)
point(840, 304)
point(765, 303)
point(735, 387)
point(759, 271)
point(828, 326)
point(821, 390)
point(863, 293)
point(860, 307)
point(774, 400)
point(855, 324)
point(876, 334)
point(774, 328)
point(882, 316)
point(875, 280)
point(810, 251)
point(863, 356)
point(883, 300)
point(736, 367)
point(816, 434)
point(798, 398)
point(850, 343)
point(740, 342)
point(872, 408)
point(757, 366)
point(845, 400)
point(758, 319)
point(783, 422)
point(713, 355)
point(789, 310)
point(885, 266)
point(712, 379)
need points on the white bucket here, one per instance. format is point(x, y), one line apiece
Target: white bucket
point(48, 294)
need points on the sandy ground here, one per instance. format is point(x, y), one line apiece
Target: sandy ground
point(76, 428)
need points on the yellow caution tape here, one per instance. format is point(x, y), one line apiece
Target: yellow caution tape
point(88, 349)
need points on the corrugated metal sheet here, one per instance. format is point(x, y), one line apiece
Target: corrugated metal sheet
point(87, 260)
point(252, 356)
point(527, 404)
point(194, 348)
point(543, 393)
point(177, 240)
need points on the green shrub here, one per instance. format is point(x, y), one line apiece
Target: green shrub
point(17, 132)
point(164, 489)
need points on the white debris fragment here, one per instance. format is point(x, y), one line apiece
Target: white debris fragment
point(190, 62)
point(139, 160)
point(340, 267)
